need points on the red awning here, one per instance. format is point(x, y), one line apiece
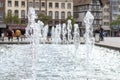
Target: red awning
point(17, 26)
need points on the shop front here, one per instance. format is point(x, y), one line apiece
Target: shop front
point(2, 28)
point(115, 31)
point(18, 27)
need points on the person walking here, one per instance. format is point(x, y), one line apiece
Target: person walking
point(97, 34)
point(2, 35)
point(10, 35)
point(101, 34)
point(18, 34)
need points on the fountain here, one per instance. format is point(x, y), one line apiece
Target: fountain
point(59, 60)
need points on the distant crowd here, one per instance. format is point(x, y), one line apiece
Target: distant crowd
point(9, 33)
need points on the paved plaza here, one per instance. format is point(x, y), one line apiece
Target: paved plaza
point(110, 42)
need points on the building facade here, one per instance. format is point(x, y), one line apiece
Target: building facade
point(114, 12)
point(82, 6)
point(2, 12)
point(106, 19)
point(58, 10)
point(17, 8)
point(40, 6)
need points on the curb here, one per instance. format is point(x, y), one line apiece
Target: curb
point(108, 46)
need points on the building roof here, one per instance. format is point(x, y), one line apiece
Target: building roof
point(61, 0)
point(83, 2)
point(104, 2)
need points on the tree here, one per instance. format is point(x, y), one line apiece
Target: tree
point(16, 20)
point(10, 19)
point(116, 22)
point(45, 19)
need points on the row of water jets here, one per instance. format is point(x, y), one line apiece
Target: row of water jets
point(38, 32)
point(58, 34)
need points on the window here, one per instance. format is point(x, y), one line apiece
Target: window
point(97, 22)
point(106, 23)
point(56, 22)
point(37, 4)
point(69, 13)
point(43, 12)
point(1, 16)
point(106, 9)
point(36, 11)
point(115, 8)
point(1, 4)
point(50, 14)
point(23, 21)
point(63, 5)
point(63, 15)
point(16, 4)
point(9, 3)
point(98, 14)
point(16, 12)
point(23, 3)
point(56, 5)
point(106, 17)
point(43, 4)
point(94, 2)
point(30, 4)
point(9, 11)
point(56, 15)
point(50, 5)
point(23, 14)
point(69, 5)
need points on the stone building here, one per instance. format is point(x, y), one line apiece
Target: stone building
point(106, 19)
point(2, 12)
point(114, 13)
point(57, 10)
point(82, 6)
point(17, 8)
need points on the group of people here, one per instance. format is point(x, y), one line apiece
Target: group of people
point(100, 32)
point(10, 34)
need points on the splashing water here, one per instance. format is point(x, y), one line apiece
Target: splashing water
point(69, 31)
point(56, 61)
point(53, 34)
point(64, 32)
point(88, 20)
point(32, 31)
point(76, 36)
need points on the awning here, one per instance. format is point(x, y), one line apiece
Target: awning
point(2, 25)
point(115, 27)
point(17, 26)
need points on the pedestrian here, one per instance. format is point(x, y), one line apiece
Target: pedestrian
point(97, 34)
point(18, 34)
point(10, 35)
point(101, 34)
point(2, 35)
